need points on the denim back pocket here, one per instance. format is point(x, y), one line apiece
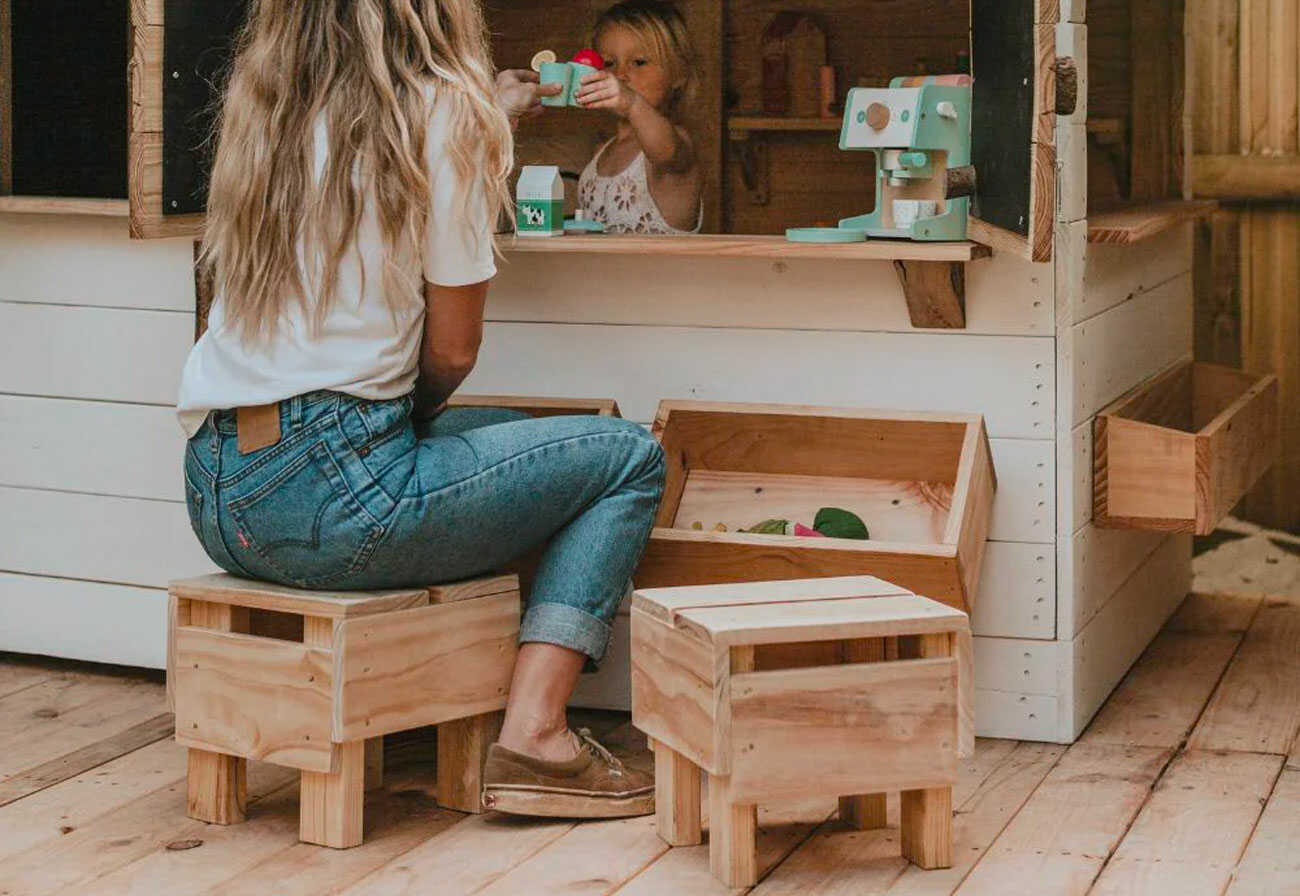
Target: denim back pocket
point(304, 524)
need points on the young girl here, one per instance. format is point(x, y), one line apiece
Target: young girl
point(646, 179)
point(362, 159)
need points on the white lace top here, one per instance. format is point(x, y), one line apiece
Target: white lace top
point(622, 202)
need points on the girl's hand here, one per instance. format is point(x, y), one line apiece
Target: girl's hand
point(603, 90)
point(520, 92)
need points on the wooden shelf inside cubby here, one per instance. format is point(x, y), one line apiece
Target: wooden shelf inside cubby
point(740, 127)
point(1176, 453)
point(922, 483)
point(1133, 223)
point(63, 205)
point(752, 246)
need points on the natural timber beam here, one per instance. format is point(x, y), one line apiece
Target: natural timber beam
point(1246, 177)
point(936, 293)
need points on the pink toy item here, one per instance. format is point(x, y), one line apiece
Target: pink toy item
point(589, 57)
point(801, 529)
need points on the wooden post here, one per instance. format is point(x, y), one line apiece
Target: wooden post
point(926, 815)
point(863, 811)
point(733, 828)
point(216, 784)
point(330, 811)
point(677, 798)
point(375, 763)
point(462, 753)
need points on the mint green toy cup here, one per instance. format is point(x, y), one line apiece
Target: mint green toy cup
point(578, 70)
point(557, 73)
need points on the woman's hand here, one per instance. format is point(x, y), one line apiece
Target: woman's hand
point(520, 92)
point(603, 90)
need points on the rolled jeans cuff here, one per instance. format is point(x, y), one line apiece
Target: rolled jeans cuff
point(555, 623)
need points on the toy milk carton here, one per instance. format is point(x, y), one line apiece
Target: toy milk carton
point(539, 199)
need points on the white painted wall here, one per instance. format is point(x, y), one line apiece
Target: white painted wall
point(96, 328)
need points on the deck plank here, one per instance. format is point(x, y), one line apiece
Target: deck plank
point(1193, 829)
point(1165, 692)
point(15, 676)
point(1257, 706)
point(119, 837)
point(69, 765)
point(68, 713)
point(72, 804)
point(838, 860)
point(1061, 837)
point(1271, 864)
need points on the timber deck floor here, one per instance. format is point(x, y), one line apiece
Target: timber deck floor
point(1187, 782)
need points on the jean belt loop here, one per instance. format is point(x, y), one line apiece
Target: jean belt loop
point(295, 411)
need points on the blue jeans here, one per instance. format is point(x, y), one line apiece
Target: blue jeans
point(355, 495)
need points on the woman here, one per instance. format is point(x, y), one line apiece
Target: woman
point(362, 161)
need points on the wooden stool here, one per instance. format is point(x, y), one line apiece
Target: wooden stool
point(313, 680)
point(846, 687)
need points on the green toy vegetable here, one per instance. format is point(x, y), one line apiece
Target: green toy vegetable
point(834, 522)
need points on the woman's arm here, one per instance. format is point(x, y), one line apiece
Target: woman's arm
point(453, 330)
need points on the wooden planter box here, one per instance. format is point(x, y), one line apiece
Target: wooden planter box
point(1176, 453)
point(922, 483)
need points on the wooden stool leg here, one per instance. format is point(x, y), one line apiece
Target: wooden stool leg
point(677, 798)
point(216, 787)
point(926, 820)
point(375, 763)
point(331, 804)
point(733, 851)
point(864, 811)
point(462, 752)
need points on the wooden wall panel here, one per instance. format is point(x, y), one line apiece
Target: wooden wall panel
point(1245, 74)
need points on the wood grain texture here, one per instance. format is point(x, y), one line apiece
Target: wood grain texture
point(666, 604)
point(254, 697)
point(1271, 862)
point(538, 406)
point(1234, 177)
point(1178, 452)
point(935, 293)
point(424, 666)
point(677, 798)
point(1170, 847)
point(709, 245)
point(462, 754)
point(331, 802)
point(223, 588)
point(676, 692)
point(877, 726)
point(1257, 705)
point(471, 589)
point(58, 205)
point(1132, 224)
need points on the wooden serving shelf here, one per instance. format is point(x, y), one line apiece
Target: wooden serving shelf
point(1133, 223)
point(1176, 453)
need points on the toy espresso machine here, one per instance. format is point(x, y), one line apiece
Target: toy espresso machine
point(919, 130)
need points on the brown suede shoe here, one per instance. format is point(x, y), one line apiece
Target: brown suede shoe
point(594, 784)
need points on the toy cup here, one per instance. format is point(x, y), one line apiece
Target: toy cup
point(557, 73)
point(908, 211)
point(579, 71)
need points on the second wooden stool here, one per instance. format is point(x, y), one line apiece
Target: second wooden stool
point(847, 687)
point(313, 680)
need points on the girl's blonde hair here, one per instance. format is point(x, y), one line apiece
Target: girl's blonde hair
point(365, 64)
point(662, 30)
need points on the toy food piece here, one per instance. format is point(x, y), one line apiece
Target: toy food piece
point(541, 57)
point(831, 522)
point(801, 529)
point(589, 57)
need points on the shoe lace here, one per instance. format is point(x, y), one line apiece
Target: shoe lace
point(615, 764)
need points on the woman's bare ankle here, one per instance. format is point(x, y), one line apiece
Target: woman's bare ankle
point(549, 740)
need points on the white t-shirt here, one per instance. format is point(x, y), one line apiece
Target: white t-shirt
point(360, 349)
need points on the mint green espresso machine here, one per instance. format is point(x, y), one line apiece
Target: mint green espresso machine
point(919, 129)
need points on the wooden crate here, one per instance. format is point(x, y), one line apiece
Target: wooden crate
point(922, 483)
point(1176, 453)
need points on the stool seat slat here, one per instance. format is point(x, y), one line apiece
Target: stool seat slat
point(223, 588)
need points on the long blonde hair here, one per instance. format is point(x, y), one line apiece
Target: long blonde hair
point(662, 31)
point(366, 64)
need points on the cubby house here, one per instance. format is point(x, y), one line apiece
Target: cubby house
point(1073, 292)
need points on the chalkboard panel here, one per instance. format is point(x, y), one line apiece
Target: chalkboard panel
point(198, 39)
point(1002, 114)
point(69, 98)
